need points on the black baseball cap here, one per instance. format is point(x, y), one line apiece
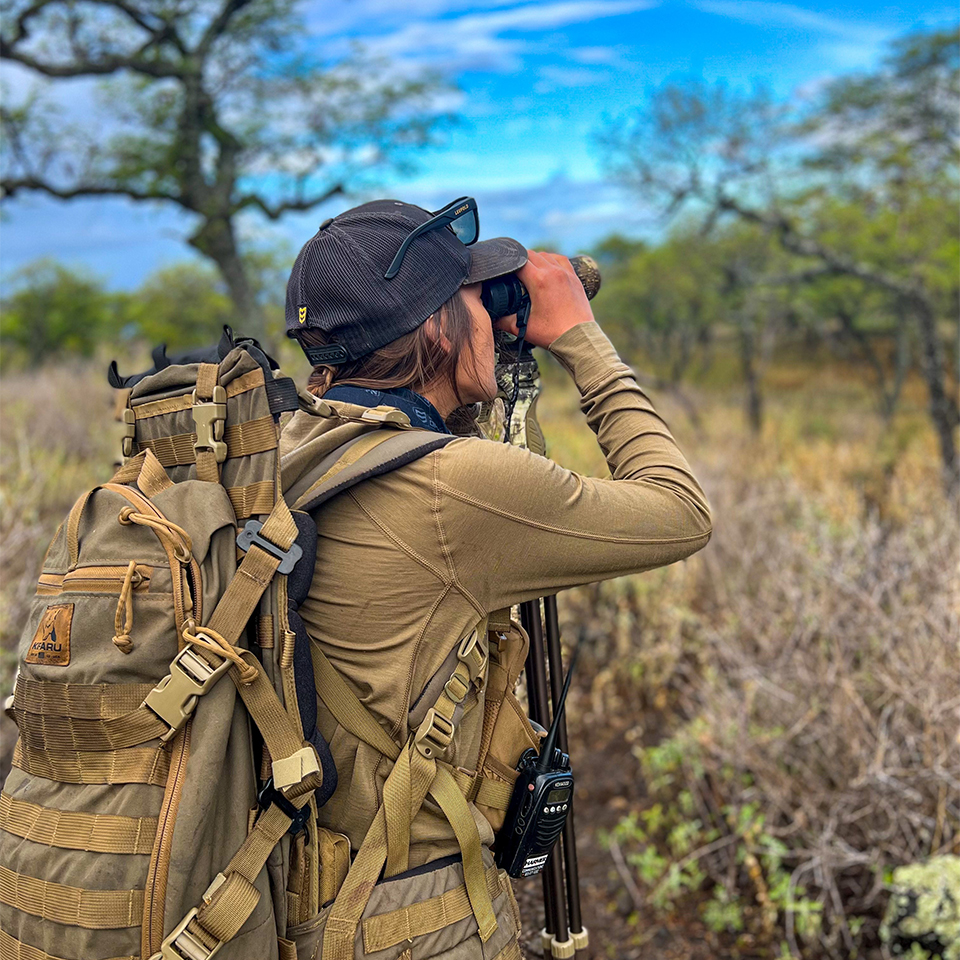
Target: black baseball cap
point(337, 284)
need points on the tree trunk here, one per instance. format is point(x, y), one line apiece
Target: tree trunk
point(943, 409)
point(215, 239)
point(901, 365)
point(748, 363)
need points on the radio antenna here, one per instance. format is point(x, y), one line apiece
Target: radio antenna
point(546, 751)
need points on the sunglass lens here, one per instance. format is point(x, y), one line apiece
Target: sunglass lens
point(467, 227)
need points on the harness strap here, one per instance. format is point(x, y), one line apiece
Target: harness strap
point(415, 773)
point(445, 791)
point(355, 450)
point(347, 708)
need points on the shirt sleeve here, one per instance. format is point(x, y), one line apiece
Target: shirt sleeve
point(516, 525)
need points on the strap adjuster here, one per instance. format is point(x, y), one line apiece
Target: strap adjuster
point(434, 735)
point(456, 688)
point(174, 698)
point(181, 944)
point(270, 796)
point(210, 418)
point(250, 535)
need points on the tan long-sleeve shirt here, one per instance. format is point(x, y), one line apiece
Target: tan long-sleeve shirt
point(410, 561)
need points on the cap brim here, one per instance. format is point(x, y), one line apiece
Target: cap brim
point(494, 258)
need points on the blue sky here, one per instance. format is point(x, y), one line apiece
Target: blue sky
point(536, 80)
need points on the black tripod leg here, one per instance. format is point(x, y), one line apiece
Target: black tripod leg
point(555, 904)
point(538, 704)
point(577, 930)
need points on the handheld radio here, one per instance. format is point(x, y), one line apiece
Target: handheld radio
point(541, 801)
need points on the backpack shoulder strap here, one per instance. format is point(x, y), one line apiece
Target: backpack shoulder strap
point(369, 455)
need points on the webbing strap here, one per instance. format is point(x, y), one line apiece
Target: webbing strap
point(397, 792)
point(232, 897)
point(242, 439)
point(427, 916)
point(13, 949)
point(152, 478)
point(82, 701)
point(483, 790)
point(136, 765)
point(70, 830)
point(347, 708)
point(252, 499)
point(59, 734)
point(207, 467)
point(73, 906)
point(156, 408)
point(73, 527)
point(445, 791)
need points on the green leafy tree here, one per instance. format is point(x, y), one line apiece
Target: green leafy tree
point(52, 311)
point(863, 186)
point(218, 107)
point(184, 304)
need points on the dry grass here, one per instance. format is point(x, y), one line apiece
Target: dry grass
point(802, 669)
point(796, 682)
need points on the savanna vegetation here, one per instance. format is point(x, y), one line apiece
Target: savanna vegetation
point(767, 731)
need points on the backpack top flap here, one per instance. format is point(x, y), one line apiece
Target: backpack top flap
point(207, 422)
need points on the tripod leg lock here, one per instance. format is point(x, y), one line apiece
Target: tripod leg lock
point(581, 939)
point(562, 949)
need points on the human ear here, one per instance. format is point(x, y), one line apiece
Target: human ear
point(436, 330)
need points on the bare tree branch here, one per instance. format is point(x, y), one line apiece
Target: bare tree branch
point(219, 24)
point(9, 187)
point(275, 211)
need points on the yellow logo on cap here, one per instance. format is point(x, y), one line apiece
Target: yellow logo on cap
point(303, 314)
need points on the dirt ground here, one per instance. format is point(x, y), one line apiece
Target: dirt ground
point(608, 783)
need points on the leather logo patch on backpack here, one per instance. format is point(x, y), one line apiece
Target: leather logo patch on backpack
point(51, 642)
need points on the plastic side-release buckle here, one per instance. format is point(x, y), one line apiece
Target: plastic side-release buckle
point(473, 655)
point(129, 435)
point(181, 944)
point(250, 535)
point(270, 796)
point(174, 698)
point(210, 418)
point(434, 735)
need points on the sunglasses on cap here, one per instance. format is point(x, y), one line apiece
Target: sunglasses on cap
point(460, 217)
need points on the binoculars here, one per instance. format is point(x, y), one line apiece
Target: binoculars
point(506, 295)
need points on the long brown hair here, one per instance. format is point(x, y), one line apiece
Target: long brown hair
point(415, 361)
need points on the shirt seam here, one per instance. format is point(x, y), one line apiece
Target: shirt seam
point(563, 531)
point(402, 544)
point(442, 537)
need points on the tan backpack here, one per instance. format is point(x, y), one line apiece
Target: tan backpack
point(145, 814)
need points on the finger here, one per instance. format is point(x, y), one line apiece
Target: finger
point(508, 325)
point(562, 261)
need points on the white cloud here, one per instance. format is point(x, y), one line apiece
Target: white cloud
point(764, 13)
point(606, 56)
point(476, 41)
point(555, 77)
point(844, 44)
